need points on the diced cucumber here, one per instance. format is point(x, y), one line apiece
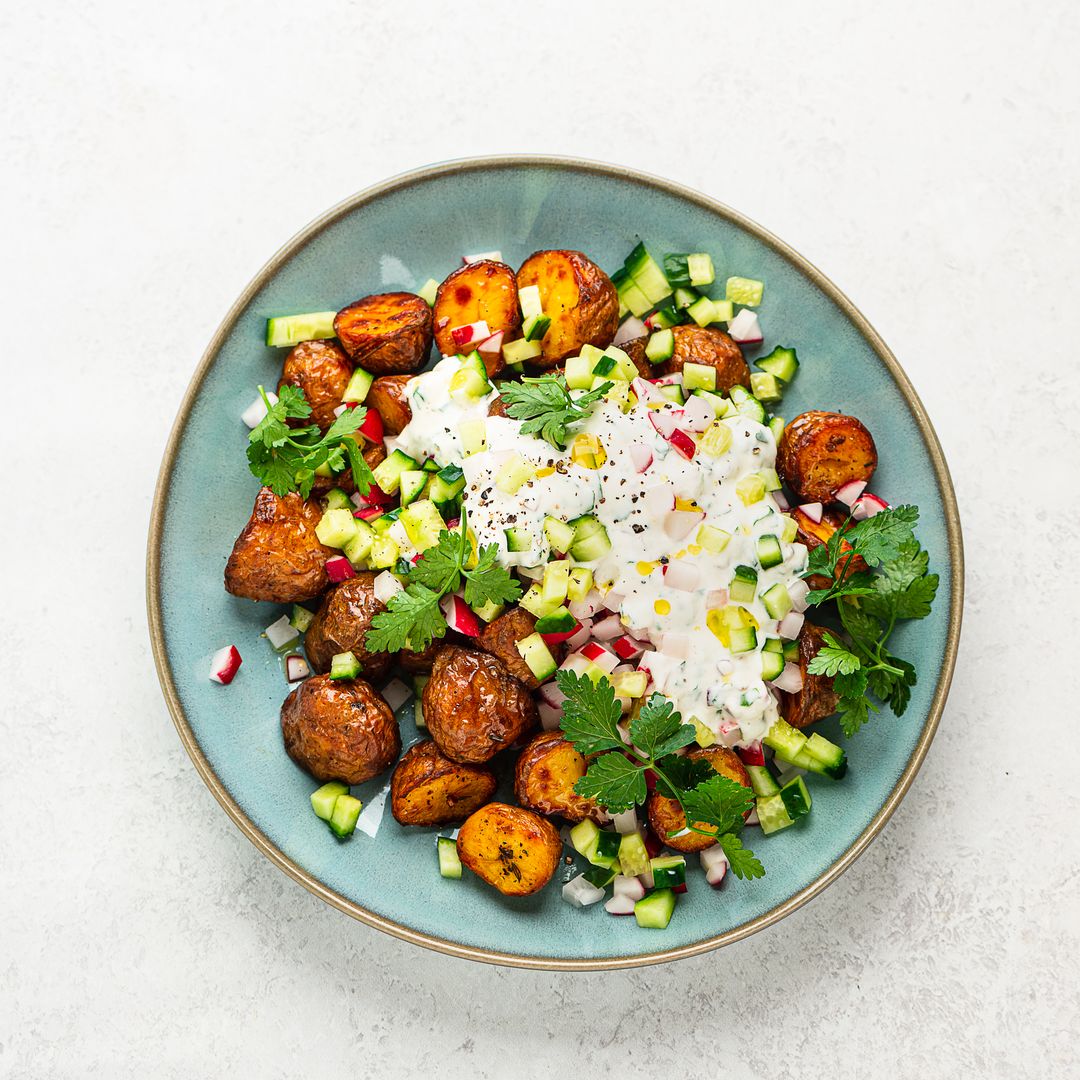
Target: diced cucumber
point(338, 500)
point(702, 311)
point(701, 269)
point(790, 530)
point(743, 639)
point(633, 854)
point(715, 440)
point(606, 852)
point(517, 352)
point(744, 291)
point(632, 298)
point(792, 746)
point(559, 534)
point(647, 274)
point(518, 539)
point(535, 327)
point(284, 330)
point(322, 801)
point(781, 362)
point(771, 479)
point(387, 473)
point(468, 385)
point(725, 310)
point(684, 298)
point(584, 837)
point(777, 600)
point(359, 547)
point(336, 528)
point(581, 581)
point(750, 489)
point(412, 483)
point(768, 551)
point(603, 367)
point(673, 392)
point(449, 863)
point(346, 812)
point(301, 617)
point(428, 291)
point(776, 426)
point(666, 316)
point(624, 367)
point(560, 621)
point(703, 736)
point(529, 299)
point(601, 876)
point(514, 473)
point(556, 582)
point(712, 539)
point(668, 871)
point(449, 482)
point(762, 781)
point(698, 377)
point(796, 798)
point(384, 552)
point(630, 684)
point(743, 586)
point(828, 753)
point(358, 386)
point(766, 387)
point(537, 655)
point(534, 603)
point(791, 652)
point(489, 611)
point(772, 814)
point(579, 373)
point(660, 346)
point(590, 539)
point(473, 435)
point(382, 523)
point(772, 665)
point(344, 665)
point(677, 270)
point(655, 910)
point(423, 524)
point(430, 465)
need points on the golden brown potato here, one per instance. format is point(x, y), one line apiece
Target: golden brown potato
point(341, 623)
point(419, 663)
point(817, 698)
point(635, 349)
point(278, 557)
point(500, 638)
point(579, 299)
point(712, 347)
point(386, 334)
point(387, 398)
point(512, 849)
point(430, 789)
point(545, 775)
point(473, 706)
point(322, 371)
point(484, 290)
point(820, 452)
point(815, 533)
point(666, 816)
point(339, 730)
point(497, 407)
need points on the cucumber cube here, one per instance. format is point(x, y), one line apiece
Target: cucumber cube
point(322, 801)
point(744, 291)
point(698, 377)
point(346, 811)
point(655, 910)
point(449, 863)
point(336, 528)
point(344, 666)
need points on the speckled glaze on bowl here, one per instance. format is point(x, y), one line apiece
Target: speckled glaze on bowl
point(395, 236)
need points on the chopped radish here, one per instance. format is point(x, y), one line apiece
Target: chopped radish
point(368, 513)
point(281, 632)
point(296, 668)
point(225, 664)
point(849, 492)
point(581, 635)
point(254, 413)
point(581, 893)
point(674, 379)
point(730, 733)
point(790, 679)
point(492, 346)
point(396, 693)
point(626, 648)
point(659, 502)
point(576, 662)
point(559, 636)
point(632, 328)
point(646, 392)
point(459, 616)
point(608, 628)
point(682, 575)
point(798, 590)
point(623, 885)
point(867, 505)
point(550, 715)
point(752, 818)
point(813, 511)
point(676, 645)
point(613, 600)
point(474, 332)
point(483, 256)
point(683, 444)
point(745, 328)
point(790, 625)
point(343, 407)
point(339, 568)
point(679, 524)
point(716, 598)
point(714, 863)
point(596, 654)
point(551, 693)
point(753, 754)
point(621, 905)
point(375, 497)
point(585, 609)
point(386, 586)
point(781, 500)
point(641, 455)
point(698, 414)
point(372, 427)
point(664, 420)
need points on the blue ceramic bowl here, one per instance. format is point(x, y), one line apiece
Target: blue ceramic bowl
point(395, 236)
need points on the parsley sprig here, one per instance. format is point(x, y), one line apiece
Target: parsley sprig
point(413, 616)
point(616, 776)
point(546, 407)
point(285, 458)
point(869, 605)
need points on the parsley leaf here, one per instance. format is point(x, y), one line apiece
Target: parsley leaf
point(854, 712)
point(590, 713)
point(411, 619)
point(883, 536)
point(720, 802)
point(685, 772)
point(546, 407)
point(615, 782)
point(488, 582)
point(743, 862)
point(850, 684)
point(658, 730)
point(832, 658)
point(439, 568)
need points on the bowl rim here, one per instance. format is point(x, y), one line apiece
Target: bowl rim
point(402, 182)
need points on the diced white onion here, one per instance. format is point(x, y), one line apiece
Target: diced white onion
point(386, 586)
point(679, 524)
point(682, 575)
point(625, 824)
point(253, 414)
point(281, 632)
point(790, 679)
point(790, 625)
point(798, 590)
point(581, 893)
point(608, 628)
point(396, 694)
point(632, 328)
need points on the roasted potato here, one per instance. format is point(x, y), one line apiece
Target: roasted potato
point(322, 371)
point(820, 452)
point(341, 623)
point(339, 730)
point(497, 407)
point(815, 533)
point(419, 663)
point(500, 638)
point(473, 706)
point(429, 789)
point(817, 698)
point(278, 557)
point(579, 299)
point(386, 334)
point(666, 816)
point(484, 290)
point(387, 397)
point(712, 347)
point(545, 775)
point(512, 849)
point(635, 349)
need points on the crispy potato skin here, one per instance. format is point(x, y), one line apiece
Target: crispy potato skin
point(322, 371)
point(500, 638)
point(278, 557)
point(819, 452)
point(473, 706)
point(665, 814)
point(497, 407)
point(579, 299)
point(341, 623)
point(544, 779)
point(387, 397)
point(485, 290)
point(635, 349)
point(707, 345)
point(817, 698)
point(419, 663)
point(339, 730)
point(512, 849)
point(815, 533)
point(429, 789)
point(386, 334)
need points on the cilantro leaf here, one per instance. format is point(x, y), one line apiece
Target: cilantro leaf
point(489, 583)
point(720, 802)
point(546, 407)
point(590, 713)
point(658, 730)
point(744, 864)
point(833, 658)
point(685, 772)
point(274, 473)
point(614, 781)
point(412, 618)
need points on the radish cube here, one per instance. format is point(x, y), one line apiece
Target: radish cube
point(641, 456)
point(632, 328)
point(683, 576)
point(386, 586)
point(598, 655)
point(225, 664)
point(607, 628)
point(296, 668)
point(791, 624)
point(754, 754)
point(714, 863)
point(790, 679)
point(849, 492)
point(621, 905)
point(745, 328)
point(254, 413)
point(683, 444)
point(281, 632)
point(477, 331)
point(339, 568)
point(867, 505)
point(813, 511)
point(372, 427)
point(626, 648)
point(459, 616)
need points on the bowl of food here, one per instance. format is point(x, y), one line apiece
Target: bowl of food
point(550, 567)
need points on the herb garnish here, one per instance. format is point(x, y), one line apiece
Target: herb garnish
point(616, 777)
point(285, 458)
point(413, 616)
point(869, 605)
point(545, 404)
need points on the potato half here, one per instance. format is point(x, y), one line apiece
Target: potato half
point(512, 849)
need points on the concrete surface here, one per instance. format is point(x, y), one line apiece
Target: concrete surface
point(153, 155)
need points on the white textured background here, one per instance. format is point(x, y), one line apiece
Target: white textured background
point(153, 155)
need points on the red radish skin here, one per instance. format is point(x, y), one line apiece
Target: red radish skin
point(849, 492)
point(368, 513)
point(683, 444)
point(372, 427)
point(339, 569)
point(459, 616)
point(754, 754)
point(225, 664)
